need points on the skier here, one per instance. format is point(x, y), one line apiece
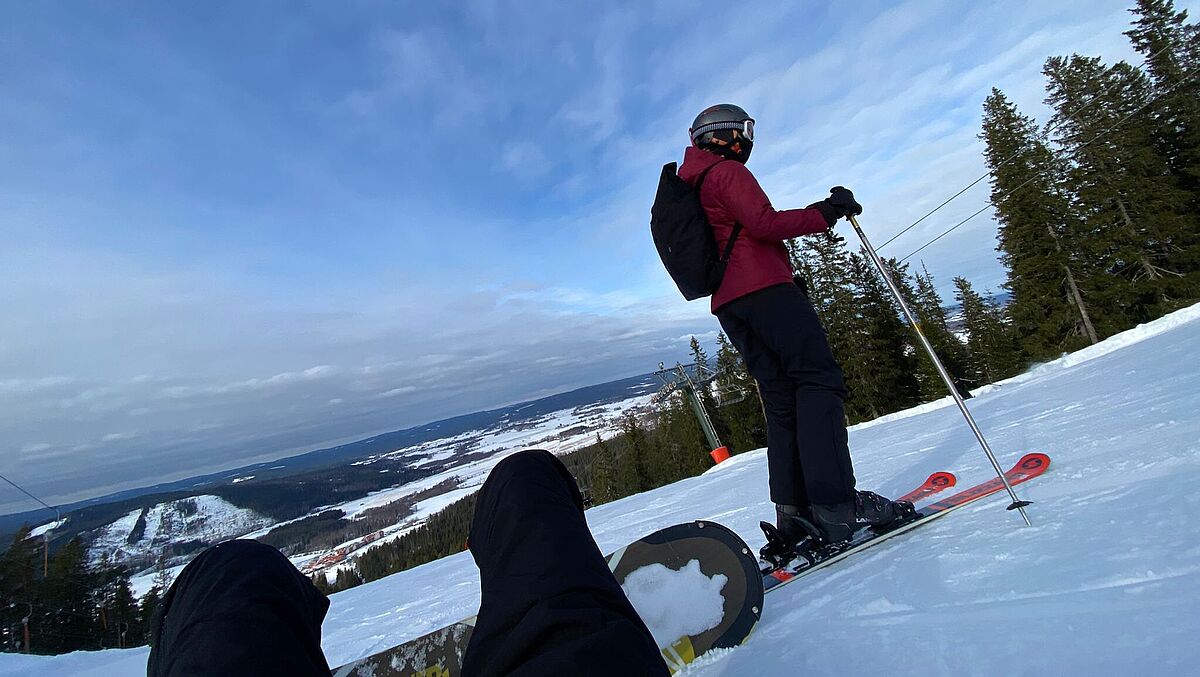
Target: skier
point(549, 604)
point(765, 312)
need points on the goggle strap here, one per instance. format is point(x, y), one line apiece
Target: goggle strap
point(746, 127)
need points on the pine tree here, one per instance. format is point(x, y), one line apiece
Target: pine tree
point(926, 306)
point(699, 357)
point(881, 362)
point(932, 313)
point(1038, 234)
point(1136, 216)
point(991, 352)
point(321, 583)
point(633, 474)
point(68, 594)
point(347, 578)
point(832, 287)
point(732, 380)
point(1171, 47)
point(1172, 51)
point(121, 624)
point(604, 487)
point(20, 565)
point(677, 448)
point(146, 611)
point(739, 416)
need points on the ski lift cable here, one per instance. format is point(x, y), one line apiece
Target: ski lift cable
point(1098, 136)
point(27, 493)
point(1007, 160)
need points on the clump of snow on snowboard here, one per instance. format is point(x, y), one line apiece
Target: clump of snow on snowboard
point(674, 603)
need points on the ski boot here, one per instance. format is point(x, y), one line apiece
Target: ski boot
point(838, 523)
point(792, 535)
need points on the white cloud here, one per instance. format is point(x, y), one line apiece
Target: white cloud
point(525, 159)
point(20, 386)
point(403, 390)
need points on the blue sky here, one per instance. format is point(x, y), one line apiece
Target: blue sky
point(236, 231)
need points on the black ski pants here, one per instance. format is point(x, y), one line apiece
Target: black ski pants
point(785, 348)
point(550, 606)
point(239, 608)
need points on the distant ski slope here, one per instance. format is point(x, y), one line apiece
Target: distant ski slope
point(1107, 581)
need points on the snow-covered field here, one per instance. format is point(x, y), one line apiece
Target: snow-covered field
point(559, 432)
point(1106, 581)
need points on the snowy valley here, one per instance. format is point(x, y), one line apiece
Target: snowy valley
point(157, 539)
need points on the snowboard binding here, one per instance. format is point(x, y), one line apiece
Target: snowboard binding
point(778, 552)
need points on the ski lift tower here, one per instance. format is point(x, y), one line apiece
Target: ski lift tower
point(680, 379)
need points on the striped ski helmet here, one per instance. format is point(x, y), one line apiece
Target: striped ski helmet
point(724, 129)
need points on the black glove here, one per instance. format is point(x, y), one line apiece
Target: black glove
point(843, 201)
point(839, 204)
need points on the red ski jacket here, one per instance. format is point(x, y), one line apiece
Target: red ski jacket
point(731, 194)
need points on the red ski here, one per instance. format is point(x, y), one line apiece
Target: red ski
point(1029, 467)
point(936, 482)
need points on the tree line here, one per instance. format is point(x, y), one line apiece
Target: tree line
point(57, 604)
point(1098, 209)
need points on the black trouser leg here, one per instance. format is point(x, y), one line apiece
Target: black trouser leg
point(785, 474)
point(550, 605)
point(779, 336)
point(240, 608)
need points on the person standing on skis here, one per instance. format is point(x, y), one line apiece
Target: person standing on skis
point(769, 319)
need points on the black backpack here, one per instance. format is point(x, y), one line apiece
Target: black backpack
point(684, 237)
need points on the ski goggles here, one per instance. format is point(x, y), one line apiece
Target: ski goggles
point(746, 127)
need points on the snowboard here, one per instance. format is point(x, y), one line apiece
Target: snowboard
point(715, 549)
point(1027, 468)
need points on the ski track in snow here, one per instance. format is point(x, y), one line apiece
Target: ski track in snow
point(1106, 581)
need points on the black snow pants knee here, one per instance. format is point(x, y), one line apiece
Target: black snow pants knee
point(779, 336)
point(240, 608)
point(550, 605)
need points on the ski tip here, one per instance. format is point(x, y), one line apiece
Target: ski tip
point(1035, 462)
point(942, 479)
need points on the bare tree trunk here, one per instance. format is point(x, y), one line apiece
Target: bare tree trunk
point(1080, 306)
point(1073, 290)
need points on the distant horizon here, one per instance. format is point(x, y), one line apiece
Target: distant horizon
point(151, 487)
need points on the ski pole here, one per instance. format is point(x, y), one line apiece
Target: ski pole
point(1017, 503)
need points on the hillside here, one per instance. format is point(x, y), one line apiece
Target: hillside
point(1106, 581)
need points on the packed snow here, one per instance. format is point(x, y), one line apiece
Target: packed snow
point(676, 603)
point(1106, 581)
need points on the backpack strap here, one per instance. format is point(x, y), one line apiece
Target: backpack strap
point(737, 227)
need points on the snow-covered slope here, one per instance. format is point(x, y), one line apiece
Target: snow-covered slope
point(1107, 581)
point(139, 535)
